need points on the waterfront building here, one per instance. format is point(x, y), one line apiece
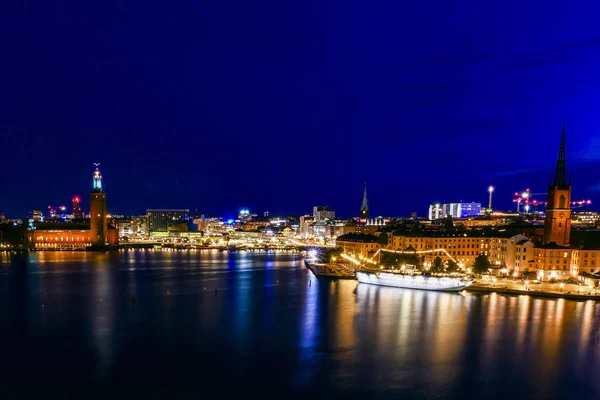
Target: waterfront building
point(358, 244)
point(321, 213)
point(454, 210)
point(160, 219)
point(507, 253)
point(98, 220)
point(589, 260)
point(557, 225)
point(364, 208)
point(555, 258)
point(589, 279)
point(520, 255)
point(553, 250)
point(72, 236)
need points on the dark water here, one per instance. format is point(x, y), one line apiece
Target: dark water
point(143, 324)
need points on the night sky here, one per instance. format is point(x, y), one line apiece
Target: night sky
point(281, 106)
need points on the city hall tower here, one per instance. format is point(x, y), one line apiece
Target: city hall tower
point(98, 222)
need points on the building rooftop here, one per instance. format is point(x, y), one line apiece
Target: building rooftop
point(552, 246)
point(358, 237)
point(58, 226)
point(66, 226)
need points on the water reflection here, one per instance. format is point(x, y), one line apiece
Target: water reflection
point(273, 324)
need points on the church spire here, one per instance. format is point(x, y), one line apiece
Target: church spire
point(364, 209)
point(560, 176)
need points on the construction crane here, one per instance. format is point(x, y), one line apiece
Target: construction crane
point(526, 197)
point(577, 204)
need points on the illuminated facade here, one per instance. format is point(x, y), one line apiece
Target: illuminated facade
point(78, 236)
point(455, 210)
point(515, 253)
point(358, 244)
point(160, 219)
point(36, 215)
point(555, 259)
point(589, 261)
point(557, 226)
point(321, 213)
point(98, 221)
point(556, 262)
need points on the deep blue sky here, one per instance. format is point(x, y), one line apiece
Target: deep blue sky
point(284, 105)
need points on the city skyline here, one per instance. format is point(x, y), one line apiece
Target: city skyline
point(231, 212)
point(246, 110)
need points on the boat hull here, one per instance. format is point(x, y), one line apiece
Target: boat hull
point(419, 282)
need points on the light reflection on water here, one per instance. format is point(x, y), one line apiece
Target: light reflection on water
point(271, 324)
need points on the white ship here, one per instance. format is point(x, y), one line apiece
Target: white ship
point(421, 282)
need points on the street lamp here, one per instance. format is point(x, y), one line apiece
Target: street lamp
point(526, 285)
point(491, 190)
point(494, 281)
point(562, 285)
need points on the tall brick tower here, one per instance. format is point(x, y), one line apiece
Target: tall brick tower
point(98, 223)
point(557, 226)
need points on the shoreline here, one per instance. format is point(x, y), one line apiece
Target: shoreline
point(475, 288)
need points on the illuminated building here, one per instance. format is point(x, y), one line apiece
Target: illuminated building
point(364, 208)
point(36, 215)
point(586, 218)
point(556, 262)
point(255, 225)
point(77, 213)
point(378, 221)
point(306, 223)
point(557, 225)
point(132, 226)
point(358, 244)
point(245, 216)
point(455, 210)
point(589, 260)
point(321, 213)
point(555, 259)
point(160, 219)
point(507, 253)
point(74, 236)
point(98, 221)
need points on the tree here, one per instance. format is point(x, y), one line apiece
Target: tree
point(481, 264)
point(438, 265)
point(383, 239)
point(331, 255)
point(396, 260)
point(452, 266)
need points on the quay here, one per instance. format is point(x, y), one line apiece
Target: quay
point(546, 290)
point(334, 271)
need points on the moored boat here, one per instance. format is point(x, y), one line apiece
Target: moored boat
point(421, 282)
